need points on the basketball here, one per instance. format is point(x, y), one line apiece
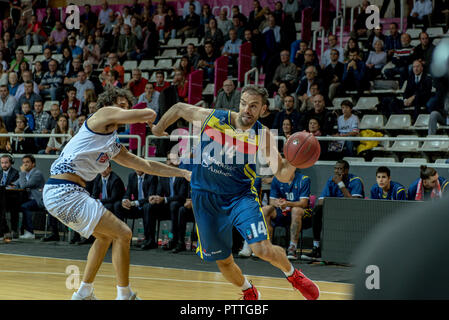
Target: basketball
point(302, 150)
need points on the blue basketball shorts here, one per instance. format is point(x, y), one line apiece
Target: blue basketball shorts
point(216, 215)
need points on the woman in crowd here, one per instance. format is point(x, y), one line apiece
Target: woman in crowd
point(376, 60)
point(91, 51)
point(55, 145)
point(5, 144)
point(38, 73)
point(22, 144)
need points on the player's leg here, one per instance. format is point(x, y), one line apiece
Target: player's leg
point(269, 214)
point(297, 214)
point(231, 271)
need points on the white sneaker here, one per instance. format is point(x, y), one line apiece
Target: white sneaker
point(27, 235)
point(132, 297)
point(246, 250)
point(76, 296)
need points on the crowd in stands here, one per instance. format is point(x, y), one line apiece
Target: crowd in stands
point(58, 93)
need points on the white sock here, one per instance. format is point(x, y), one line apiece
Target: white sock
point(293, 244)
point(289, 273)
point(316, 243)
point(85, 289)
point(124, 293)
point(246, 285)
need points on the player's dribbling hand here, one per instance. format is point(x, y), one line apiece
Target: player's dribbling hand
point(157, 131)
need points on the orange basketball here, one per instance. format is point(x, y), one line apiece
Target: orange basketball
point(302, 150)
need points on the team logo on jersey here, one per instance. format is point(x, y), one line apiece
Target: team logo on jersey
point(221, 121)
point(103, 157)
point(249, 234)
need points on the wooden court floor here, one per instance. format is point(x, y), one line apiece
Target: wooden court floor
point(40, 278)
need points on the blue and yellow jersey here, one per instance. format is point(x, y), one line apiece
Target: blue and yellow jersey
point(411, 194)
point(225, 159)
point(353, 183)
point(295, 191)
point(396, 192)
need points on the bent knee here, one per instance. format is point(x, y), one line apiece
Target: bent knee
point(297, 212)
point(263, 249)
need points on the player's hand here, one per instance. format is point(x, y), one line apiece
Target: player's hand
point(157, 130)
point(282, 203)
point(126, 204)
point(337, 178)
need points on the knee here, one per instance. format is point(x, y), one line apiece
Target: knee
point(225, 262)
point(263, 250)
point(125, 234)
point(297, 213)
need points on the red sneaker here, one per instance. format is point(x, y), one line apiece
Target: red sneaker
point(251, 294)
point(308, 289)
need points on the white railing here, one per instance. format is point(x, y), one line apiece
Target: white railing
point(250, 72)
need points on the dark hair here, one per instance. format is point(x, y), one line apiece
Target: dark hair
point(110, 95)
point(254, 89)
point(71, 88)
point(383, 170)
point(29, 156)
point(347, 103)
point(344, 162)
point(427, 172)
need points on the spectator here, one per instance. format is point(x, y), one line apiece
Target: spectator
point(26, 77)
point(136, 29)
point(185, 66)
point(35, 32)
point(268, 117)
point(348, 126)
point(31, 179)
point(171, 24)
point(113, 79)
point(55, 145)
point(192, 55)
point(49, 21)
point(187, 10)
point(420, 13)
point(15, 10)
point(374, 37)
point(28, 96)
point(283, 91)
point(159, 20)
point(8, 175)
point(113, 63)
point(88, 70)
point(231, 49)
point(20, 31)
point(104, 14)
point(53, 119)
point(160, 83)
point(256, 47)
point(354, 74)
point(150, 46)
point(326, 118)
point(108, 188)
point(352, 45)
point(22, 144)
point(59, 34)
point(377, 59)
point(127, 43)
point(360, 29)
point(82, 85)
point(291, 8)
point(205, 17)
point(26, 111)
point(397, 8)
point(303, 91)
point(182, 85)
point(402, 58)
point(72, 120)
point(272, 27)
point(214, 34)
point(424, 51)
point(417, 93)
point(41, 119)
point(135, 202)
point(38, 73)
point(206, 61)
point(89, 96)
point(191, 23)
point(89, 18)
point(341, 185)
point(229, 98)
point(385, 189)
point(310, 59)
point(126, 15)
point(3, 63)
point(286, 71)
point(5, 144)
point(305, 101)
point(429, 186)
point(91, 51)
point(289, 207)
point(236, 13)
point(72, 75)
point(314, 128)
point(286, 129)
point(15, 63)
point(71, 101)
point(7, 107)
point(92, 108)
point(237, 25)
point(223, 23)
point(81, 119)
point(333, 45)
point(67, 60)
point(393, 41)
point(288, 112)
point(333, 74)
point(137, 83)
point(297, 53)
point(52, 82)
point(150, 97)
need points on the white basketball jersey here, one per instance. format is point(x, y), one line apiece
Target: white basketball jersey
point(87, 154)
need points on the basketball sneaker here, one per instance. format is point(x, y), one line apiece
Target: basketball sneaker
point(291, 253)
point(314, 255)
point(134, 297)
point(77, 296)
point(251, 294)
point(308, 289)
point(246, 250)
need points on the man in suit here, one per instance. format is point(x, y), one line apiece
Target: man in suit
point(354, 73)
point(109, 188)
point(171, 195)
point(135, 201)
point(8, 175)
point(417, 93)
point(31, 179)
point(333, 74)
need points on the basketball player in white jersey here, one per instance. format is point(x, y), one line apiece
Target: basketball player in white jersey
point(87, 154)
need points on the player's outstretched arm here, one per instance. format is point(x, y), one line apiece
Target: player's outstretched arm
point(129, 160)
point(280, 167)
point(190, 113)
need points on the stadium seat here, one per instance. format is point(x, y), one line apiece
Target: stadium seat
point(177, 63)
point(415, 160)
point(127, 77)
point(414, 33)
point(383, 145)
point(337, 101)
point(168, 53)
point(404, 146)
point(441, 161)
point(39, 58)
point(271, 104)
point(48, 104)
point(399, 121)
point(415, 43)
point(146, 65)
point(383, 159)
point(435, 145)
point(366, 103)
point(354, 159)
point(36, 49)
point(372, 121)
point(422, 121)
point(298, 26)
point(24, 48)
point(173, 43)
point(435, 32)
point(164, 64)
point(145, 75)
point(29, 58)
point(194, 41)
point(209, 90)
point(129, 65)
point(436, 41)
point(58, 57)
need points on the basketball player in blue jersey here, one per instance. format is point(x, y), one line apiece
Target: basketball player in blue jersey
point(87, 154)
point(223, 193)
point(385, 189)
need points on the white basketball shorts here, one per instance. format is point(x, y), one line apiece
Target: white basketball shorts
point(72, 205)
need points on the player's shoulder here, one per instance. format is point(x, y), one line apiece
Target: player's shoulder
point(354, 178)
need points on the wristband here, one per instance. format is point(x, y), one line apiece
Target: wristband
point(341, 185)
